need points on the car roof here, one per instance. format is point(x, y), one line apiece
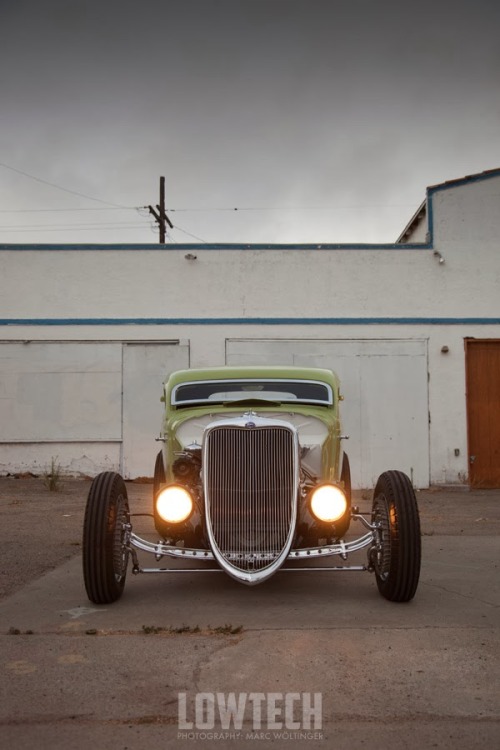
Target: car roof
point(256, 371)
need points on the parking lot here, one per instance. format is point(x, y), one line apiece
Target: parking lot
point(77, 675)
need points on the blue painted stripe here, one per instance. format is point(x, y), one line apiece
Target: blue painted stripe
point(242, 321)
point(215, 246)
point(470, 179)
point(430, 217)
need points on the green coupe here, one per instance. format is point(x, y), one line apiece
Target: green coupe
point(253, 477)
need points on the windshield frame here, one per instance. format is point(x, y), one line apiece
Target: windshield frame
point(219, 385)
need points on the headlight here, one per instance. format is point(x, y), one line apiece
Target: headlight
point(328, 503)
point(174, 504)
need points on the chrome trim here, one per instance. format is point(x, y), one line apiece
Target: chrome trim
point(322, 569)
point(267, 555)
point(341, 548)
point(162, 549)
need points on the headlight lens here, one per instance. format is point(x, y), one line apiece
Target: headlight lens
point(328, 503)
point(174, 504)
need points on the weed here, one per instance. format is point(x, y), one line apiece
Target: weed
point(52, 477)
point(184, 629)
point(16, 631)
point(227, 629)
point(187, 629)
point(153, 629)
point(148, 629)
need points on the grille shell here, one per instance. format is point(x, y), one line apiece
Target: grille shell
point(250, 476)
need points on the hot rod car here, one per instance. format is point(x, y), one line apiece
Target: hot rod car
point(253, 475)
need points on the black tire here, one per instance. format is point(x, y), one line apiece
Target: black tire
point(342, 526)
point(158, 480)
point(397, 560)
point(345, 477)
point(105, 558)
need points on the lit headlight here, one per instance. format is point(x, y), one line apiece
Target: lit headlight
point(328, 503)
point(174, 504)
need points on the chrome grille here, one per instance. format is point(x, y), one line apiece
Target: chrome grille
point(250, 489)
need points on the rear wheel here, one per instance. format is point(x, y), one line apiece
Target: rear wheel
point(105, 556)
point(345, 477)
point(158, 480)
point(342, 526)
point(396, 556)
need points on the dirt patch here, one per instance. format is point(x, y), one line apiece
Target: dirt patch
point(40, 529)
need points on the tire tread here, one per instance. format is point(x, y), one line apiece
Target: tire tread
point(404, 573)
point(98, 531)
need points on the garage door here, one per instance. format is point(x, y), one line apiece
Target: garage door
point(58, 392)
point(384, 383)
point(90, 405)
point(145, 368)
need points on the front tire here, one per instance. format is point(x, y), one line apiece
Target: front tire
point(397, 556)
point(105, 556)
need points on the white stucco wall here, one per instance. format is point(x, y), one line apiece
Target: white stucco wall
point(274, 283)
point(309, 294)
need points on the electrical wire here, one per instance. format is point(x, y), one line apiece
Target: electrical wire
point(77, 228)
point(291, 208)
point(194, 236)
point(90, 225)
point(199, 210)
point(80, 225)
point(142, 211)
point(63, 210)
point(59, 187)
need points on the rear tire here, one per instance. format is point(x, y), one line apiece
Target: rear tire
point(158, 480)
point(397, 558)
point(105, 557)
point(342, 526)
point(345, 477)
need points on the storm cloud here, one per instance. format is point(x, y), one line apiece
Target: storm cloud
point(318, 120)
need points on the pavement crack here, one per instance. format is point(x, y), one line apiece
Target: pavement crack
point(459, 593)
point(205, 660)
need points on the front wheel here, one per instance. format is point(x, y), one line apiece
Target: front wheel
point(105, 555)
point(396, 555)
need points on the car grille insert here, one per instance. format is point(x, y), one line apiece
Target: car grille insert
point(250, 491)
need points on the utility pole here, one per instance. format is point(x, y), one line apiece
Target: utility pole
point(160, 215)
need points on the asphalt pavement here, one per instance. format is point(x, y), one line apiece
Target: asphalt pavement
point(379, 674)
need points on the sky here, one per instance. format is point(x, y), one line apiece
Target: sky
point(280, 121)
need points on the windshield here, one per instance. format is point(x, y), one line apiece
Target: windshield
point(228, 391)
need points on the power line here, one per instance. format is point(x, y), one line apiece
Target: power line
point(59, 187)
point(291, 208)
point(90, 225)
point(207, 210)
point(78, 229)
point(64, 210)
point(190, 235)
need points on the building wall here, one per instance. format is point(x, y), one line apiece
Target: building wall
point(325, 299)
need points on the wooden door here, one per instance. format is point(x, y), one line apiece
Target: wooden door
point(483, 411)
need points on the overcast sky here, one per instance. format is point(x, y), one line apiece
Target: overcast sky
point(320, 120)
